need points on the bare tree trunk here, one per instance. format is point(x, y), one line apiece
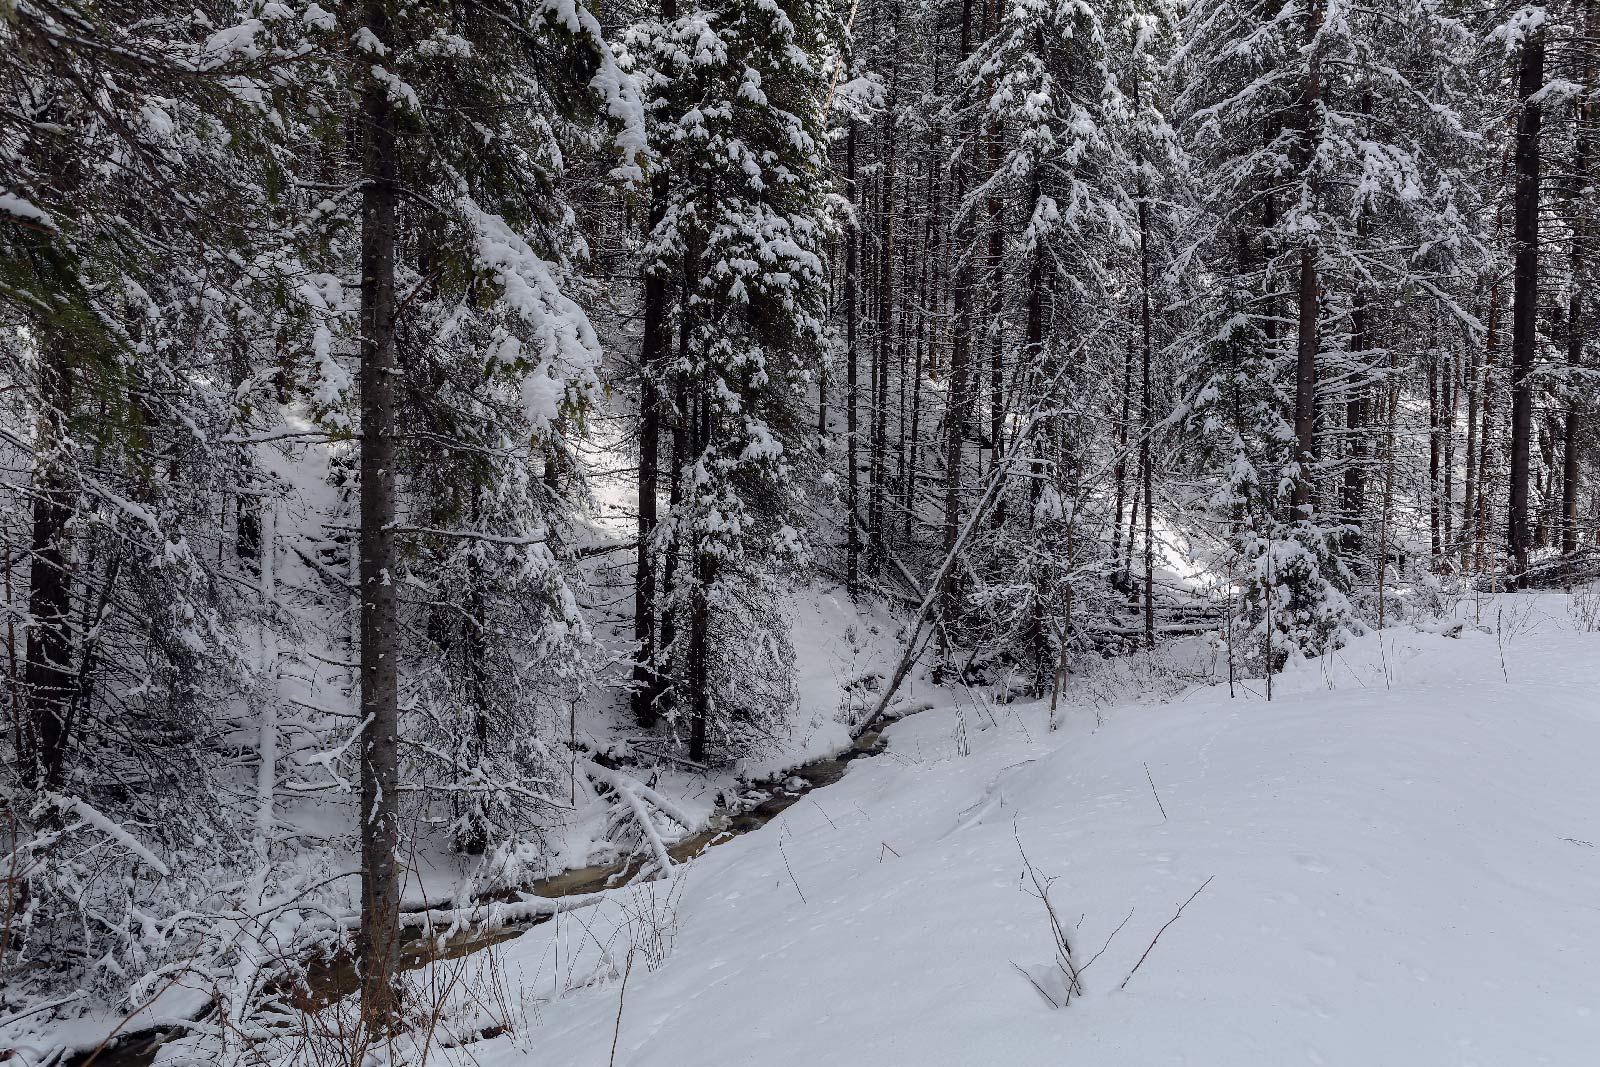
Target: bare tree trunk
point(48, 678)
point(1434, 521)
point(1470, 487)
point(1305, 367)
point(1147, 401)
point(852, 270)
point(700, 613)
point(956, 386)
point(1486, 432)
point(1525, 310)
point(1571, 448)
point(653, 346)
point(377, 941)
point(886, 333)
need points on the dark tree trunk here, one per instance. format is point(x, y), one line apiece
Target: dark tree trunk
point(1524, 315)
point(646, 686)
point(1571, 436)
point(48, 678)
point(1146, 402)
point(956, 386)
point(886, 336)
point(1435, 540)
point(1305, 384)
point(852, 459)
point(377, 941)
point(1469, 487)
point(1305, 365)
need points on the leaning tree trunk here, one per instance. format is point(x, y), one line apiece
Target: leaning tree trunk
point(1524, 314)
point(377, 942)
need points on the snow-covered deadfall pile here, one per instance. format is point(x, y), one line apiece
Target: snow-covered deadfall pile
point(1394, 862)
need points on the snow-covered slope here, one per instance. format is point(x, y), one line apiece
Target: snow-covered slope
point(1401, 852)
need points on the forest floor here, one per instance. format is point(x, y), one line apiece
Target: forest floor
point(1396, 861)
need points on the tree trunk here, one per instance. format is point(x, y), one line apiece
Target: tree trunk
point(377, 941)
point(646, 686)
point(1147, 402)
point(852, 269)
point(1524, 316)
point(1571, 454)
point(886, 337)
point(956, 385)
point(1470, 487)
point(1305, 367)
point(48, 678)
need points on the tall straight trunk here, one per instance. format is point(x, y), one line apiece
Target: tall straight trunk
point(1353, 487)
point(1469, 488)
point(1525, 309)
point(48, 678)
point(1033, 363)
point(1435, 540)
point(1452, 390)
point(994, 274)
point(1355, 411)
point(1120, 470)
point(377, 941)
point(1571, 454)
point(886, 334)
point(1146, 401)
point(1305, 364)
point(956, 384)
point(652, 351)
point(700, 613)
point(1486, 430)
point(666, 652)
point(908, 488)
point(852, 270)
point(653, 346)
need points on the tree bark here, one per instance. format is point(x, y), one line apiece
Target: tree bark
point(646, 685)
point(48, 678)
point(377, 941)
point(852, 270)
point(1305, 367)
point(1524, 315)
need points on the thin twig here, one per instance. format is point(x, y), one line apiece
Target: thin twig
point(790, 869)
point(623, 992)
point(1152, 782)
point(1107, 945)
point(1163, 930)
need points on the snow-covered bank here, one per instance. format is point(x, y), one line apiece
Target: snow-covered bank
point(1402, 847)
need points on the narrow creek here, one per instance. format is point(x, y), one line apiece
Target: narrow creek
point(330, 979)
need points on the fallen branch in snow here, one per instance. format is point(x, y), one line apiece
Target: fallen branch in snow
point(1163, 930)
point(618, 780)
point(490, 916)
point(647, 828)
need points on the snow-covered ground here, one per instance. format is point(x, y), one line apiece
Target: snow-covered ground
point(1400, 855)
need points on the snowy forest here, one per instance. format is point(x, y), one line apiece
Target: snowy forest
point(462, 459)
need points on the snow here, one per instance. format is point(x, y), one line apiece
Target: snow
point(1402, 850)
